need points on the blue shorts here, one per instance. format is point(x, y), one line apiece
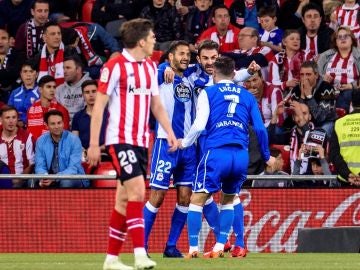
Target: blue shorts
point(180, 164)
point(222, 168)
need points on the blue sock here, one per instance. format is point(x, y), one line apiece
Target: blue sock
point(150, 213)
point(226, 220)
point(194, 220)
point(177, 224)
point(211, 214)
point(238, 224)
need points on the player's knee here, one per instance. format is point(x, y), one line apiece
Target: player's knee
point(157, 197)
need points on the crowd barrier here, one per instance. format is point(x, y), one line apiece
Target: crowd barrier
point(77, 220)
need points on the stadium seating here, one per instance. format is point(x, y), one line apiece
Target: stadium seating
point(104, 168)
point(285, 153)
point(87, 9)
point(156, 56)
point(340, 112)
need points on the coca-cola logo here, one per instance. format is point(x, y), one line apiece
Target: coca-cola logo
point(275, 229)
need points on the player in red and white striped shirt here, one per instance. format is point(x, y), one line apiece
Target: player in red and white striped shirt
point(128, 84)
point(16, 145)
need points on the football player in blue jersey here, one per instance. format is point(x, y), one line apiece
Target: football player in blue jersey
point(200, 76)
point(177, 98)
point(224, 111)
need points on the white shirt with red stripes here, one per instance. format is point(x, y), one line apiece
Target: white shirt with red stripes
point(18, 153)
point(129, 85)
point(342, 70)
point(348, 16)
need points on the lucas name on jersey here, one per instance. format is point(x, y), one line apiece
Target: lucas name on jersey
point(228, 88)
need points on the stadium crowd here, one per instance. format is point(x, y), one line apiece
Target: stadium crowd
point(308, 52)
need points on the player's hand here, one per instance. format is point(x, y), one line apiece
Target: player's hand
point(179, 141)
point(253, 67)
point(169, 75)
point(93, 155)
point(271, 161)
point(172, 142)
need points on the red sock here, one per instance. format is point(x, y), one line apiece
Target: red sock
point(135, 223)
point(117, 233)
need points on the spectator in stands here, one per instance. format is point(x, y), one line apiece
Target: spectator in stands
point(105, 11)
point(24, 96)
point(167, 22)
point(344, 145)
point(13, 13)
point(10, 64)
point(47, 102)
point(319, 165)
point(303, 125)
point(280, 134)
point(81, 120)
point(16, 146)
point(224, 33)
point(270, 34)
point(94, 43)
point(251, 50)
point(29, 35)
point(315, 35)
point(4, 169)
point(69, 94)
point(290, 13)
point(245, 12)
point(51, 57)
point(284, 69)
point(318, 95)
point(341, 65)
point(58, 152)
point(347, 15)
point(274, 169)
point(197, 20)
point(267, 96)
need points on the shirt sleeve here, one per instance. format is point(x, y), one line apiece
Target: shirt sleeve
point(202, 116)
point(241, 75)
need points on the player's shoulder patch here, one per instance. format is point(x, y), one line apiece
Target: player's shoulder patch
point(105, 74)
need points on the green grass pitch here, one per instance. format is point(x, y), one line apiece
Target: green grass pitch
point(274, 261)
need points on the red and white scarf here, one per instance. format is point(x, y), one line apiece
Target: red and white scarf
point(33, 44)
point(86, 48)
point(52, 64)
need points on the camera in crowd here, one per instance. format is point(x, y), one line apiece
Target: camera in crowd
point(313, 139)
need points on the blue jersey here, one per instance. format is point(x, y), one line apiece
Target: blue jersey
point(232, 109)
point(274, 36)
point(177, 98)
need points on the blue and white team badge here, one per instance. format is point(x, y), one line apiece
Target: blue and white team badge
point(159, 176)
point(182, 92)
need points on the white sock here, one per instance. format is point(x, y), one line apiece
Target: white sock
point(218, 247)
point(139, 251)
point(111, 258)
point(192, 249)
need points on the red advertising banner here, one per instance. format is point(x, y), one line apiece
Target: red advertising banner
point(77, 220)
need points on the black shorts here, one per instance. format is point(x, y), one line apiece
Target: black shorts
point(129, 161)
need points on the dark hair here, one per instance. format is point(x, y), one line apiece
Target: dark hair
point(3, 29)
point(46, 79)
point(175, 44)
point(134, 30)
point(29, 63)
point(7, 108)
point(208, 44)
point(219, 7)
point(267, 11)
point(224, 65)
point(274, 152)
point(288, 32)
point(315, 160)
point(50, 113)
point(39, 2)
point(87, 83)
point(312, 6)
point(310, 64)
point(49, 24)
point(76, 59)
